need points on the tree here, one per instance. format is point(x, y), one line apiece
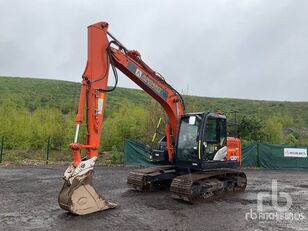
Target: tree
point(273, 130)
point(251, 129)
point(130, 122)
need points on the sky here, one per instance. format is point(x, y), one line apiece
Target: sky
point(252, 49)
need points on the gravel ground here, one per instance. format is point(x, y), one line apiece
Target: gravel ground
point(28, 201)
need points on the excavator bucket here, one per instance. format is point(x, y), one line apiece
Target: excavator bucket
point(80, 197)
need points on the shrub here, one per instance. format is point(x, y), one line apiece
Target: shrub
point(116, 156)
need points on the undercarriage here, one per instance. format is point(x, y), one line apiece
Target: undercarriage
point(188, 186)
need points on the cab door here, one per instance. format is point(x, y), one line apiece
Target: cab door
point(187, 149)
point(214, 136)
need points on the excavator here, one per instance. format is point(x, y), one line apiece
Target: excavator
point(195, 158)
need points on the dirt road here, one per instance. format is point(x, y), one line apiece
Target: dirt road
point(28, 201)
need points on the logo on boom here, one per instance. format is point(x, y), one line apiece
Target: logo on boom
point(148, 81)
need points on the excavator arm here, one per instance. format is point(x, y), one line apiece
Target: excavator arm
point(104, 51)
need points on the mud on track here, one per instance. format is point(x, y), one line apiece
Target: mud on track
point(28, 201)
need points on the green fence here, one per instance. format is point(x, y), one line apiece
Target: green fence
point(250, 156)
point(270, 156)
point(135, 153)
point(275, 156)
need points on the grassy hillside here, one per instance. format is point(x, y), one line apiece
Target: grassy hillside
point(34, 93)
point(32, 110)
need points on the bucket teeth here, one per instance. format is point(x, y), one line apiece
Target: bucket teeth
point(81, 198)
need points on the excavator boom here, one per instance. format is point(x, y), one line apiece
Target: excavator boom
point(104, 50)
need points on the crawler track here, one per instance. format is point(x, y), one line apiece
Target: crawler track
point(188, 187)
point(203, 185)
point(145, 179)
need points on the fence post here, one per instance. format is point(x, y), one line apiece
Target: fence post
point(258, 153)
point(1, 149)
point(47, 151)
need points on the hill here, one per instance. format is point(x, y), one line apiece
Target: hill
point(32, 110)
point(34, 93)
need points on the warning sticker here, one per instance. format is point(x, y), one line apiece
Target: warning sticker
point(100, 104)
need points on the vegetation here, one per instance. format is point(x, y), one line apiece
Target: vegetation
point(31, 110)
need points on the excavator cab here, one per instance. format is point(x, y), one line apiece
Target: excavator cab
point(202, 142)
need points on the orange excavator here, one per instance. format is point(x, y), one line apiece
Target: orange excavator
point(195, 158)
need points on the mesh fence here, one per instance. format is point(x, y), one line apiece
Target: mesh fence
point(270, 156)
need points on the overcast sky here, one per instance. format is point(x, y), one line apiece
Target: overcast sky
point(255, 49)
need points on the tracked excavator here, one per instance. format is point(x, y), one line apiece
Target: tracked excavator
point(195, 158)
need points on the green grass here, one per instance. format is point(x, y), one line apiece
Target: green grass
point(35, 93)
point(26, 157)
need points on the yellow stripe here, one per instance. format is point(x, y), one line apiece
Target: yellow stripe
point(199, 150)
point(158, 122)
point(153, 138)
point(154, 135)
